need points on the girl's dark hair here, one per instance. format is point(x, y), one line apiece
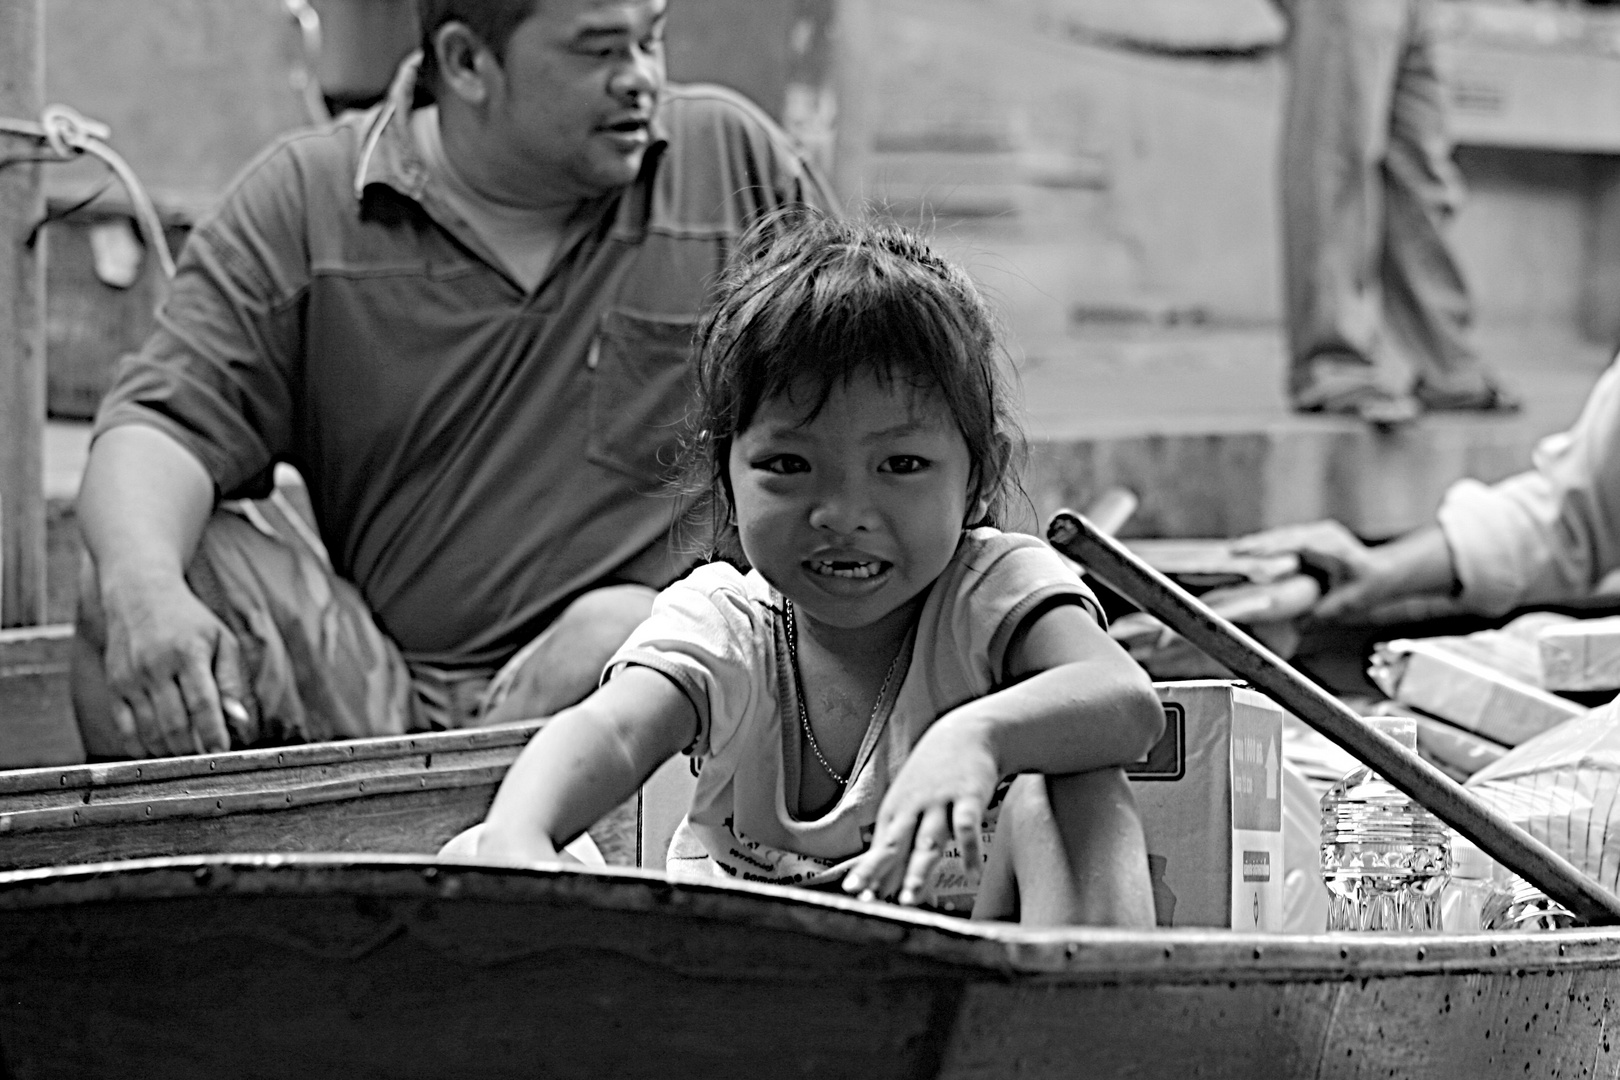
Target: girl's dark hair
point(811, 300)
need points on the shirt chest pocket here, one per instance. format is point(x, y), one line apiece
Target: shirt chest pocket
point(641, 389)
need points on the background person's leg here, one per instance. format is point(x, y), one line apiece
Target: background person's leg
point(1342, 57)
point(564, 663)
point(1427, 305)
point(317, 666)
point(1077, 852)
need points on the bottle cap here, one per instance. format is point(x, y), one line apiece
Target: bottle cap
point(1468, 861)
point(1403, 729)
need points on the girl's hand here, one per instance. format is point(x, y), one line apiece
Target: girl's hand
point(493, 846)
point(942, 790)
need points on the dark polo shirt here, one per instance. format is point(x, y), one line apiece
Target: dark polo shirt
point(477, 455)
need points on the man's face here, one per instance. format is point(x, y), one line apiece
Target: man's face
point(578, 90)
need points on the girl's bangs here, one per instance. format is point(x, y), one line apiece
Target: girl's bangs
point(919, 345)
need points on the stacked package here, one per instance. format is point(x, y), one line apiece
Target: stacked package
point(1564, 789)
point(1486, 688)
point(1580, 654)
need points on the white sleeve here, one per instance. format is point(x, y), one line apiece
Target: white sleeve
point(1007, 579)
point(1548, 534)
point(704, 634)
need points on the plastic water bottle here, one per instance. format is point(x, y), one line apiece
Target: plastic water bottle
point(1385, 859)
point(1473, 889)
point(1519, 905)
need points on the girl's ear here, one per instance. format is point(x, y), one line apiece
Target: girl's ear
point(978, 504)
point(982, 489)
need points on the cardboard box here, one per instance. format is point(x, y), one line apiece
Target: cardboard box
point(1580, 655)
point(660, 805)
point(1210, 793)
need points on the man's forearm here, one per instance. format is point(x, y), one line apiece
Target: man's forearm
point(1418, 563)
point(143, 504)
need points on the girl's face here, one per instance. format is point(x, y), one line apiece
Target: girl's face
point(851, 515)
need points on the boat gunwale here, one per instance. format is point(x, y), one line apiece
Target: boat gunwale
point(1092, 955)
point(268, 799)
point(149, 770)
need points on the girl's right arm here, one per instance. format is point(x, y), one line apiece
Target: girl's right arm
point(586, 761)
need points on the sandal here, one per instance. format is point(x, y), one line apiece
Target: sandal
point(1491, 397)
point(1368, 403)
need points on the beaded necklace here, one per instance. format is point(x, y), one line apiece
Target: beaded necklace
point(798, 692)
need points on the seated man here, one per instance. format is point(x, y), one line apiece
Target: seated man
point(1544, 536)
point(463, 317)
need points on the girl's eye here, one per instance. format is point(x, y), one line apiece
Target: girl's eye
point(783, 464)
point(905, 463)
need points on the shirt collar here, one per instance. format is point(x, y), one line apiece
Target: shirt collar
point(388, 153)
point(389, 156)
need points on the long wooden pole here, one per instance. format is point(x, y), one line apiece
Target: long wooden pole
point(1450, 802)
point(22, 323)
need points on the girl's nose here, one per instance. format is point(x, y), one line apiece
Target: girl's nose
point(842, 511)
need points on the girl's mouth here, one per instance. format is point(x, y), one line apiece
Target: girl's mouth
point(852, 569)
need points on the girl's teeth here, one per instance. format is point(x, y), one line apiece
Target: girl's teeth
point(847, 570)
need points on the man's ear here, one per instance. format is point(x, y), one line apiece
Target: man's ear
point(465, 62)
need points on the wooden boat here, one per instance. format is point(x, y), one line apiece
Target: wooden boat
point(389, 966)
point(402, 794)
point(397, 965)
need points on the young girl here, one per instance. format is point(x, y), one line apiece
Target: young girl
point(855, 699)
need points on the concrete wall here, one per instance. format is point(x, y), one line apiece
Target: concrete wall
point(1080, 181)
point(1093, 160)
point(1097, 160)
point(192, 88)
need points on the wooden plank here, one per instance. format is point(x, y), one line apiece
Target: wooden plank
point(406, 793)
point(22, 324)
point(37, 726)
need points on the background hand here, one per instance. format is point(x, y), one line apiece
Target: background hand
point(941, 791)
point(1353, 571)
point(173, 671)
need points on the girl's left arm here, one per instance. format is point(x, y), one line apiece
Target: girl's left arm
point(1075, 702)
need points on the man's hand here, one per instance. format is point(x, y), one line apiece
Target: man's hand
point(941, 791)
point(173, 670)
point(1360, 578)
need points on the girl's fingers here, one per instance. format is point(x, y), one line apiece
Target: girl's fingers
point(966, 816)
point(877, 873)
point(933, 833)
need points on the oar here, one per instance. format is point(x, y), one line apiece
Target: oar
point(1458, 807)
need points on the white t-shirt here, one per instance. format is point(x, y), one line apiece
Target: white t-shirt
point(719, 634)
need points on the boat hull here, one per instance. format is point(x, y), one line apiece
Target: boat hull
point(376, 966)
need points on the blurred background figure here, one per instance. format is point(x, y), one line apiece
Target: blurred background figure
point(1377, 309)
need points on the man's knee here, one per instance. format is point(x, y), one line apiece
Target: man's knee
point(562, 665)
point(613, 610)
